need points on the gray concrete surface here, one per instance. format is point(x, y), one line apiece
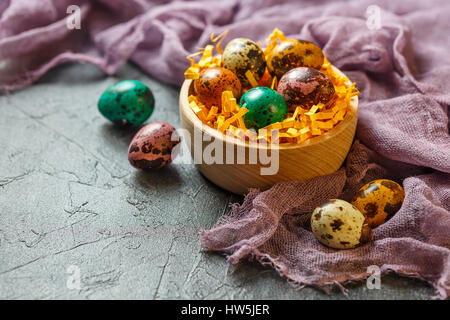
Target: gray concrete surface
point(68, 197)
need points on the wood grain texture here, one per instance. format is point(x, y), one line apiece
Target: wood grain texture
point(317, 156)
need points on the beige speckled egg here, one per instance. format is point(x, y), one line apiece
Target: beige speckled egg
point(241, 55)
point(338, 224)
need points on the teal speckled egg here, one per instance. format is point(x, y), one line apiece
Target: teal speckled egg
point(127, 102)
point(265, 106)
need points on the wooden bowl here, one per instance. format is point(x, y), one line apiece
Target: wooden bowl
point(300, 161)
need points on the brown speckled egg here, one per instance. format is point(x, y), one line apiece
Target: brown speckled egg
point(305, 87)
point(152, 147)
point(212, 82)
point(379, 200)
point(294, 53)
point(241, 55)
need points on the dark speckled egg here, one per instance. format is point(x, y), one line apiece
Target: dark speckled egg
point(305, 87)
point(379, 200)
point(212, 82)
point(127, 102)
point(293, 53)
point(153, 146)
point(241, 55)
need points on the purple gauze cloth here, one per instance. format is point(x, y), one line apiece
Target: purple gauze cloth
point(402, 71)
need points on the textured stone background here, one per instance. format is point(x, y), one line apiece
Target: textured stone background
point(69, 197)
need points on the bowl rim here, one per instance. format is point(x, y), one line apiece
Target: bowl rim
point(216, 134)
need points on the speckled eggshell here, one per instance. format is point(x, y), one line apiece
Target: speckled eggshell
point(379, 200)
point(294, 53)
point(265, 106)
point(127, 102)
point(151, 148)
point(338, 224)
point(305, 87)
point(212, 82)
point(241, 55)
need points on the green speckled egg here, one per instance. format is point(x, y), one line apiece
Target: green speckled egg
point(241, 55)
point(265, 106)
point(127, 102)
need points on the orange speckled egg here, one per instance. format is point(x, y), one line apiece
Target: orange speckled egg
point(294, 53)
point(212, 82)
point(379, 200)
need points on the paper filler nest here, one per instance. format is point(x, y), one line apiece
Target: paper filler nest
point(296, 128)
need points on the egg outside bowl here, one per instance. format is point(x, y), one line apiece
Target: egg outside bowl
point(314, 157)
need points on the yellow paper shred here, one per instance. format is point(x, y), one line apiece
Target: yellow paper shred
point(274, 126)
point(304, 136)
point(316, 132)
point(236, 116)
point(273, 39)
point(219, 40)
point(293, 132)
point(220, 123)
point(297, 111)
point(298, 125)
point(287, 123)
point(241, 123)
point(274, 84)
point(323, 115)
point(251, 79)
point(320, 105)
point(312, 111)
point(207, 59)
point(201, 112)
point(226, 104)
point(327, 125)
point(340, 115)
point(212, 113)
